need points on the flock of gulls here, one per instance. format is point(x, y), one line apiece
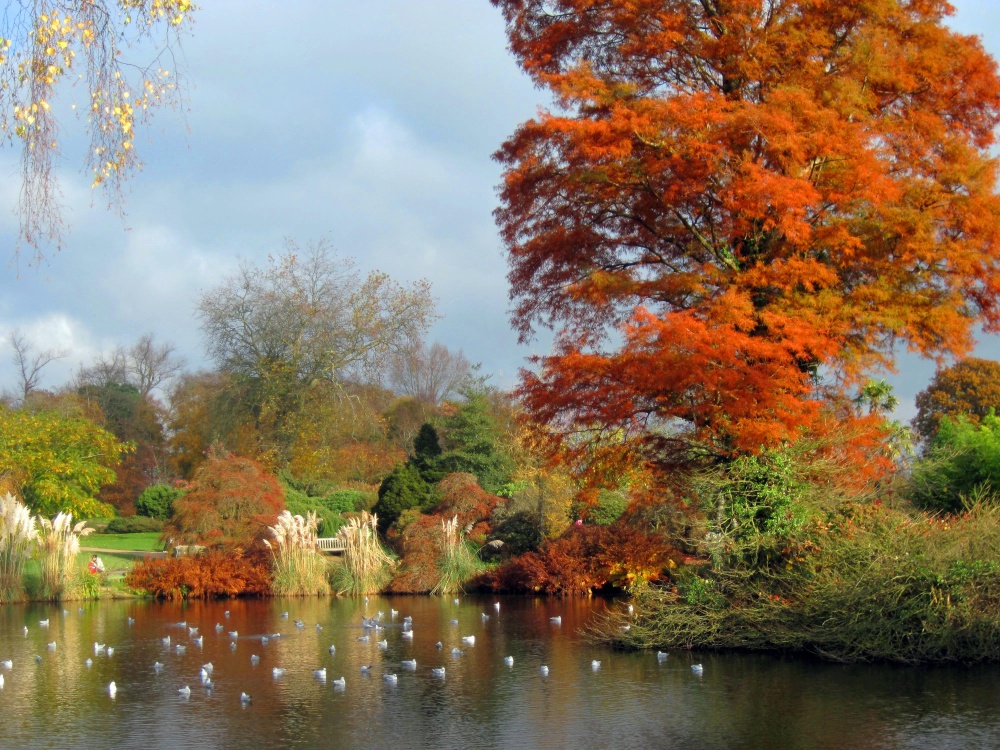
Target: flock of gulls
point(373, 631)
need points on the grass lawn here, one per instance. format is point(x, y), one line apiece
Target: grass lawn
point(145, 542)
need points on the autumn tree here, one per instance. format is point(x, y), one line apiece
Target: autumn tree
point(301, 331)
point(429, 374)
point(735, 210)
point(120, 53)
point(57, 463)
point(969, 388)
point(30, 362)
point(146, 366)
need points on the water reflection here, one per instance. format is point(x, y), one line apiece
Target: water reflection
point(633, 700)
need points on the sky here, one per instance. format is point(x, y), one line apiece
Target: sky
point(367, 125)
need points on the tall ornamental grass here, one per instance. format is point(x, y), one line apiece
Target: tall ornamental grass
point(58, 545)
point(457, 564)
point(367, 566)
point(299, 568)
point(18, 537)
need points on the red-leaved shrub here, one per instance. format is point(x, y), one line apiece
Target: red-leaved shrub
point(229, 500)
point(214, 574)
point(584, 559)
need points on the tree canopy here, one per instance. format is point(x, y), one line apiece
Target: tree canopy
point(970, 388)
point(737, 209)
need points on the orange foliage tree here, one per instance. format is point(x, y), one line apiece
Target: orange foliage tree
point(735, 210)
point(230, 500)
point(969, 388)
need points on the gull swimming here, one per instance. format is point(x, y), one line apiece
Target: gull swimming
point(264, 640)
point(278, 671)
point(7, 663)
point(698, 669)
point(496, 606)
point(320, 673)
point(185, 691)
point(112, 689)
point(110, 651)
point(470, 639)
point(483, 616)
point(218, 627)
point(44, 623)
point(595, 665)
point(51, 646)
point(333, 649)
point(157, 667)
point(383, 644)
point(437, 671)
point(254, 659)
point(408, 634)
point(89, 663)
point(389, 678)
point(662, 655)
point(557, 620)
point(544, 671)
point(245, 699)
point(192, 631)
point(341, 682)
point(409, 663)
point(181, 649)
point(509, 661)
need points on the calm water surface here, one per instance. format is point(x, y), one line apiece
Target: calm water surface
point(630, 701)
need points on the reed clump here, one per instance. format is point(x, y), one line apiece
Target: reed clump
point(18, 537)
point(299, 568)
point(366, 566)
point(58, 546)
point(457, 563)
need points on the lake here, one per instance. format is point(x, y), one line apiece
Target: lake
point(631, 700)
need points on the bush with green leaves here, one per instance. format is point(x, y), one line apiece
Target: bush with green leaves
point(403, 489)
point(134, 525)
point(301, 504)
point(514, 535)
point(961, 464)
point(157, 501)
point(609, 507)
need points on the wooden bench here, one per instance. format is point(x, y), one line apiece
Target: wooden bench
point(332, 545)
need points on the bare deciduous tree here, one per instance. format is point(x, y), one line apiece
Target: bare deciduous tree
point(30, 363)
point(145, 365)
point(429, 374)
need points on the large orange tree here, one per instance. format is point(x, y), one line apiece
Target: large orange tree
point(736, 209)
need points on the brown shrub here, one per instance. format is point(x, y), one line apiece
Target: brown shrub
point(214, 574)
point(583, 559)
point(229, 500)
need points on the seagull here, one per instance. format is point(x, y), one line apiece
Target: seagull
point(482, 616)
point(408, 634)
point(226, 613)
point(245, 699)
point(99, 648)
point(1, 682)
point(110, 652)
point(157, 667)
point(181, 649)
point(407, 620)
point(192, 631)
point(254, 659)
point(509, 661)
point(437, 671)
point(299, 624)
point(383, 644)
point(7, 664)
point(661, 655)
point(232, 645)
point(389, 678)
point(545, 671)
point(234, 634)
point(52, 646)
point(455, 601)
point(318, 626)
point(595, 665)
point(333, 649)
point(698, 669)
point(366, 668)
point(457, 651)
point(89, 663)
point(182, 624)
point(454, 622)
point(25, 631)
point(131, 621)
point(278, 671)
point(203, 675)
point(470, 639)
point(363, 639)
point(199, 640)
point(631, 609)
point(208, 667)
point(284, 615)
point(166, 641)
point(439, 645)
point(409, 664)
point(496, 606)
point(264, 640)
point(44, 623)
point(38, 659)
point(112, 689)
point(320, 674)
point(393, 613)
point(339, 683)
point(557, 620)
point(185, 691)
point(218, 627)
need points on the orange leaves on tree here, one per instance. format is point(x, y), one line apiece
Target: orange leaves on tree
point(734, 201)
